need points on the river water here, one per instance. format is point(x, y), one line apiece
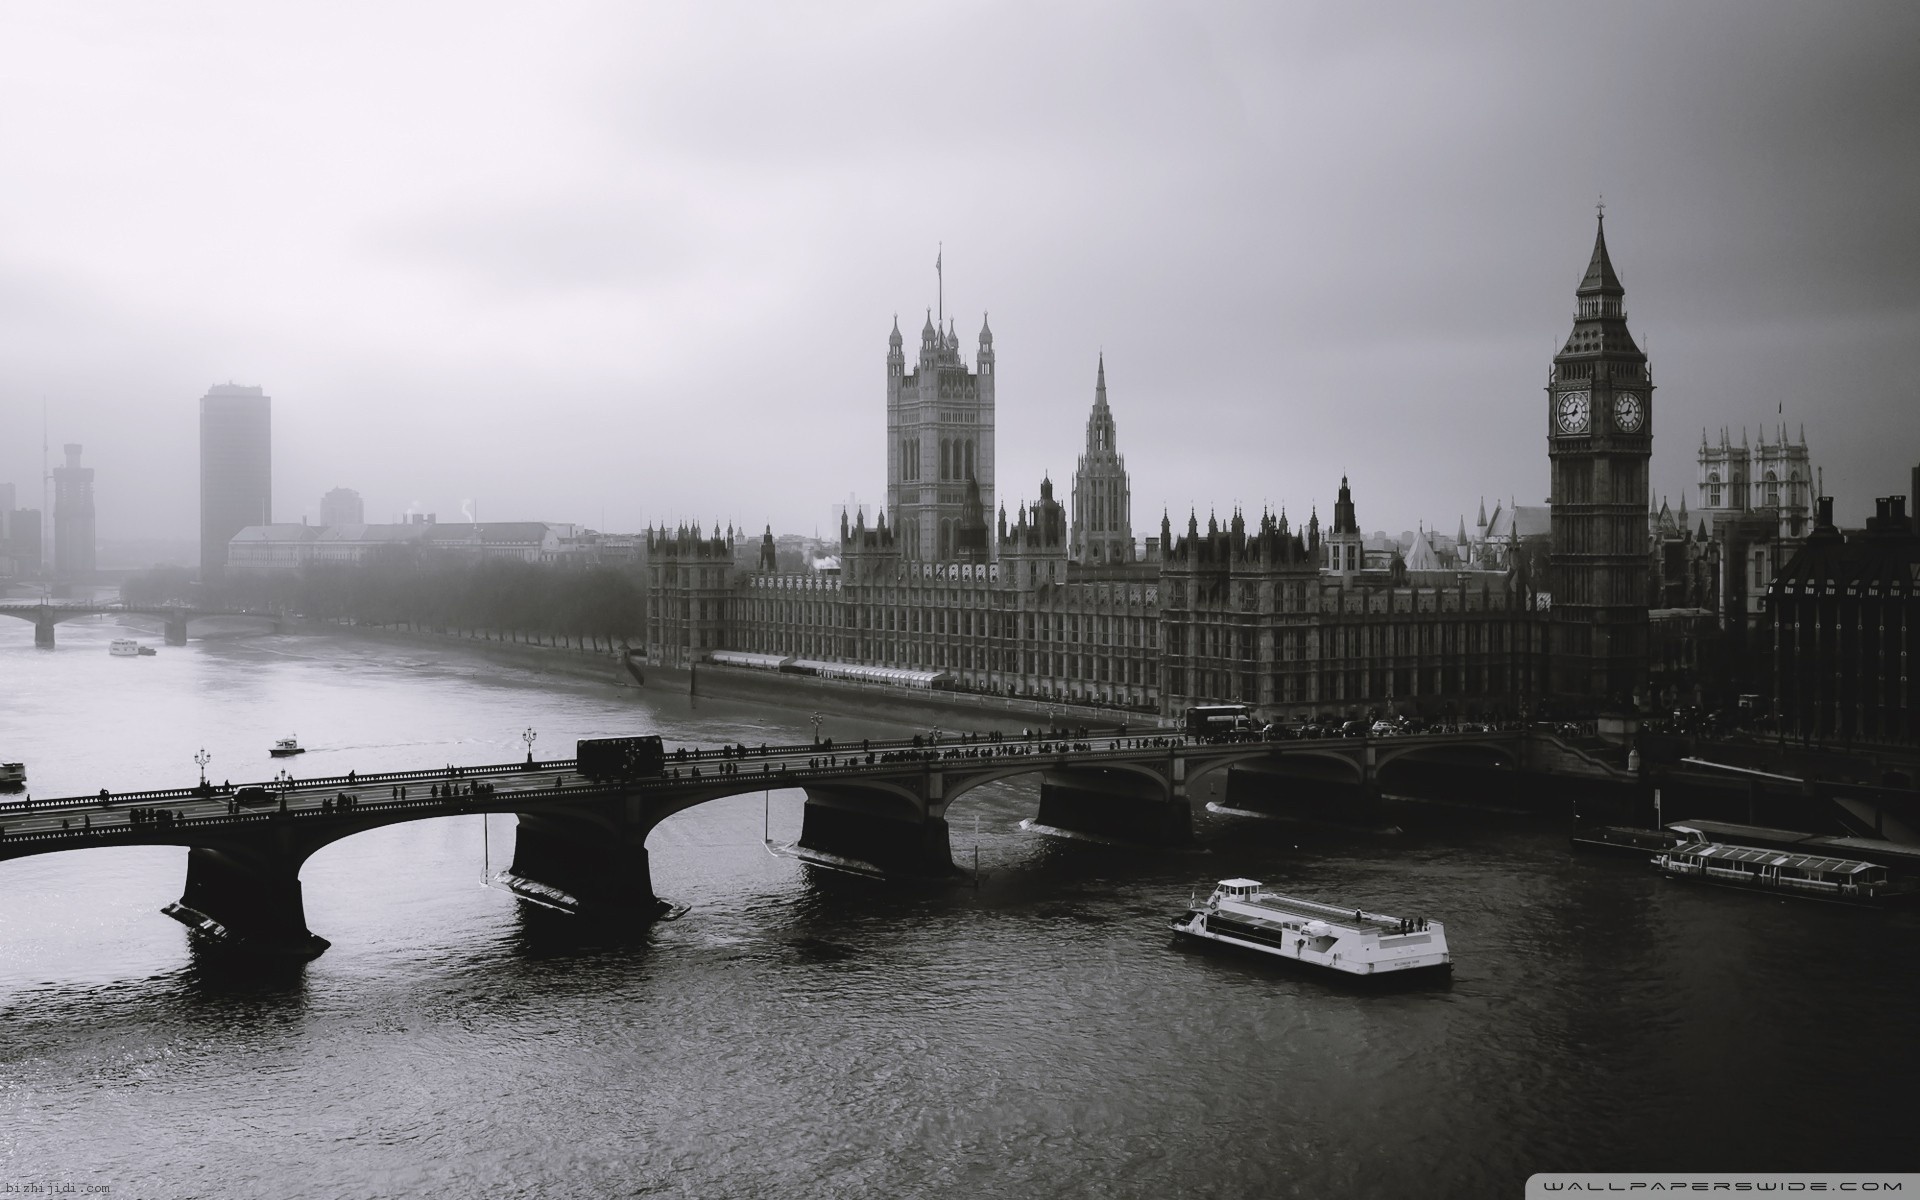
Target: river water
point(803, 1033)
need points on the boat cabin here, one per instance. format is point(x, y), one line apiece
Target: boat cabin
point(1238, 889)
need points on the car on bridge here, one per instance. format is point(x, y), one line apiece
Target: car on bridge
point(247, 797)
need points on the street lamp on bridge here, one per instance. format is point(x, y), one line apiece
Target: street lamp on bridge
point(529, 737)
point(816, 729)
point(203, 758)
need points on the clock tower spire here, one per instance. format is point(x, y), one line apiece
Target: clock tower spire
point(1599, 442)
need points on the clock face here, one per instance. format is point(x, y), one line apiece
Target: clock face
point(1572, 413)
point(1626, 412)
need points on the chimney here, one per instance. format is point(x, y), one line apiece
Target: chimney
point(1890, 517)
point(1823, 518)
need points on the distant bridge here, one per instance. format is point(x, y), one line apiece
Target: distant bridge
point(581, 843)
point(45, 614)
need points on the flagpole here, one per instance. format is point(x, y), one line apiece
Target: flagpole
point(940, 272)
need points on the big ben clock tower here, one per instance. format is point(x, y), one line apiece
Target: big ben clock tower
point(1599, 441)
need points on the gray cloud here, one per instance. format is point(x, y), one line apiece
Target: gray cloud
point(646, 258)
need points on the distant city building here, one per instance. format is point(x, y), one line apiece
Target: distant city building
point(267, 549)
point(342, 506)
point(9, 565)
point(236, 468)
point(939, 438)
point(73, 524)
point(24, 541)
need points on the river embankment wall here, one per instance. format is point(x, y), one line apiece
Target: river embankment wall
point(956, 710)
point(570, 662)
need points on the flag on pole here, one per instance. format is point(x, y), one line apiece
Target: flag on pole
point(940, 254)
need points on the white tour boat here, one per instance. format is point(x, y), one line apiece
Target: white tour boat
point(1817, 877)
point(123, 648)
point(13, 776)
point(287, 746)
point(1241, 913)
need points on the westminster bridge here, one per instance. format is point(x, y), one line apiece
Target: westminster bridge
point(45, 614)
point(581, 842)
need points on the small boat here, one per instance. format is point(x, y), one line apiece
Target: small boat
point(13, 776)
point(148, 652)
point(1757, 868)
point(1243, 914)
point(123, 648)
point(287, 746)
point(1623, 839)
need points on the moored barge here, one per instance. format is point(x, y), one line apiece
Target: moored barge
point(1241, 913)
point(1756, 868)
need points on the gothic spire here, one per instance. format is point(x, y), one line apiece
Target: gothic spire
point(1100, 383)
point(1600, 278)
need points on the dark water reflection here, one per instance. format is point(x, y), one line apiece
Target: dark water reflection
point(803, 1032)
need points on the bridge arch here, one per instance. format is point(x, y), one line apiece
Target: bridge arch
point(1346, 767)
point(962, 781)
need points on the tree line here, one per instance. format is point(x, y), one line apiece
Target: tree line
point(505, 599)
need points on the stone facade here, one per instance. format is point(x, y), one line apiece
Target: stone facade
point(1846, 618)
point(1102, 496)
point(939, 439)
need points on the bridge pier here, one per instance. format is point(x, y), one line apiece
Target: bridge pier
point(590, 860)
point(1123, 805)
point(883, 832)
point(43, 632)
point(176, 629)
point(248, 900)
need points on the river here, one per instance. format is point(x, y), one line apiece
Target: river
point(803, 1033)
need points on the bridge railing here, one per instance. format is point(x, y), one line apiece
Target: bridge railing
point(123, 830)
point(692, 754)
point(151, 831)
point(885, 753)
point(318, 781)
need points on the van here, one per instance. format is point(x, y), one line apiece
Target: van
point(248, 796)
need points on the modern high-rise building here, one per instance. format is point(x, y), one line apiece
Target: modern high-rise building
point(73, 518)
point(939, 440)
point(1599, 441)
point(1102, 497)
point(23, 540)
point(342, 506)
point(236, 469)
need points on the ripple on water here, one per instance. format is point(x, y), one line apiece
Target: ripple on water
point(799, 1032)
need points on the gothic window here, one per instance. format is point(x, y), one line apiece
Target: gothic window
point(1713, 489)
point(1773, 490)
point(946, 459)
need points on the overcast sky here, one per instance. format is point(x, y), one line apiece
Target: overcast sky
point(623, 263)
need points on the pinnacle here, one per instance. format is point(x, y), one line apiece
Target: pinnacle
point(1600, 276)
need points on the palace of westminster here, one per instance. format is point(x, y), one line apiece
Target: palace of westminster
point(1599, 601)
